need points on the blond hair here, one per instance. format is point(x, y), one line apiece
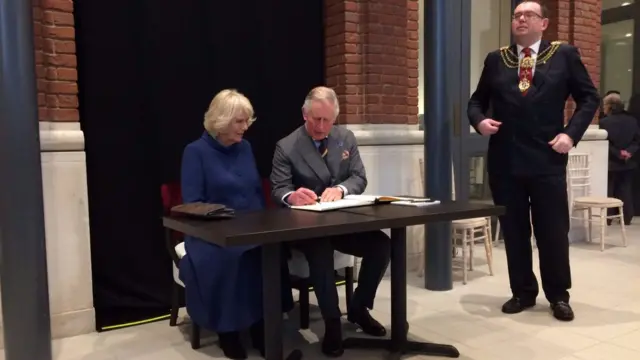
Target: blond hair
point(322, 94)
point(227, 105)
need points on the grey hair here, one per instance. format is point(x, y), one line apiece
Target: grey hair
point(322, 94)
point(615, 103)
point(611, 98)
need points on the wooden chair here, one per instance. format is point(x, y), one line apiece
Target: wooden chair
point(466, 232)
point(579, 178)
point(174, 242)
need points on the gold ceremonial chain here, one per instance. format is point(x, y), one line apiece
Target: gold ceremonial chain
point(510, 59)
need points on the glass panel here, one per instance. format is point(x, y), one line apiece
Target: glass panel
point(478, 180)
point(610, 4)
point(490, 29)
point(617, 58)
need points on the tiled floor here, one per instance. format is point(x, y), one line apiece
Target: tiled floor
point(606, 298)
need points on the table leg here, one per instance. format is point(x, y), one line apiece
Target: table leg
point(272, 304)
point(398, 345)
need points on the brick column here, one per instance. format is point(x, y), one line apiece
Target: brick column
point(579, 23)
point(371, 50)
point(55, 60)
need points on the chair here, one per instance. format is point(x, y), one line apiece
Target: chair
point(299, 270)
point(467, 232)
point(579, 178)
point(174, 242)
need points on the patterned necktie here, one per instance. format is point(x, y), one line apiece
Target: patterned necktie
point(323, 148)
point(526, 71)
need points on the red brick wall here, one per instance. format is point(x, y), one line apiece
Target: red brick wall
point(579, 23)
point(55, 50)
point(372, 59)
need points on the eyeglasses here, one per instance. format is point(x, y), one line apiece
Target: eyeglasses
point(528, 15)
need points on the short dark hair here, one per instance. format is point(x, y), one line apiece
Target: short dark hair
point(612, 92)
point(544, 11)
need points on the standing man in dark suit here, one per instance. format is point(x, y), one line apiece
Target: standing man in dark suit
point(624, 140)
point(319, 162)
point(519, 102)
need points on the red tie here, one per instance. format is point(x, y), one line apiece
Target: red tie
point(526, 73)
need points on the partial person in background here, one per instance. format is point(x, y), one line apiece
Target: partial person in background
point(633, 109)
point(602, 113)
point(224, 285)
point(624, 141)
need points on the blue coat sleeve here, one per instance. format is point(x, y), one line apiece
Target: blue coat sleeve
point(192, 176)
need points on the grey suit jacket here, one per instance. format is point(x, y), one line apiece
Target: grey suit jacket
point(297, 163)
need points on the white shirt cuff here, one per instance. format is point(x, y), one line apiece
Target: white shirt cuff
point(284, 198)
point(344, 190)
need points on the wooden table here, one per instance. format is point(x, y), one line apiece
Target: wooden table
point(270, 228)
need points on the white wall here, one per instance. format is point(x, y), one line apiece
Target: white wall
point(66, 215)
point(617, 58)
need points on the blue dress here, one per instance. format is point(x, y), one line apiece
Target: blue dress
point(223, 286)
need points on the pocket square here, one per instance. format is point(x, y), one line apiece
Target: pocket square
point(345, 155)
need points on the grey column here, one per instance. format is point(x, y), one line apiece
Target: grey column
point(442, 29)
point(23, 266)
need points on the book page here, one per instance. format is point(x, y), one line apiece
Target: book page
point(334, 205)
point(385, 198)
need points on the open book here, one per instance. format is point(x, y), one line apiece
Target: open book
point(365, 200)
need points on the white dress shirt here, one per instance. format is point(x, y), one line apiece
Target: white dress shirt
point(535, 49)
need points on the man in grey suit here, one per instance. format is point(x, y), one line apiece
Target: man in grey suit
point(321, 162)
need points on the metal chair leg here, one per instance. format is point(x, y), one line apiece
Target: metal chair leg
point(175, 304)
point(348, 277)
point(304, 306)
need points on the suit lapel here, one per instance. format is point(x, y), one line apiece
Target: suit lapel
point(513, 76)
point(540, 73)
point(334, 156)
point(312, 157)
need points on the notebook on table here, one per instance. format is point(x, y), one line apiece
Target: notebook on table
point(365, 200)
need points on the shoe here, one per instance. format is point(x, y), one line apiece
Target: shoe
point(332, 342)
point(231, 345)
point(368, 324)
point(516, 305)
point(257, 336)
point(562, 311)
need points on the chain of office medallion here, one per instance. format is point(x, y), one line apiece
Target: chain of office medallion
point(510, 59)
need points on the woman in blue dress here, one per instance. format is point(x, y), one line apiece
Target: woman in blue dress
point(224, 285)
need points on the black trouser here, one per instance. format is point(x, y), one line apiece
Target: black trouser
point(620, 187)
point(374, 249)
point(546, 197)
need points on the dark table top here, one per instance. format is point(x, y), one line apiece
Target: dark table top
point(273, 225)
point(278, 225)
point(400, 216)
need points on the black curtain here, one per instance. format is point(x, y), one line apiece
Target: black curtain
point(147, 72)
